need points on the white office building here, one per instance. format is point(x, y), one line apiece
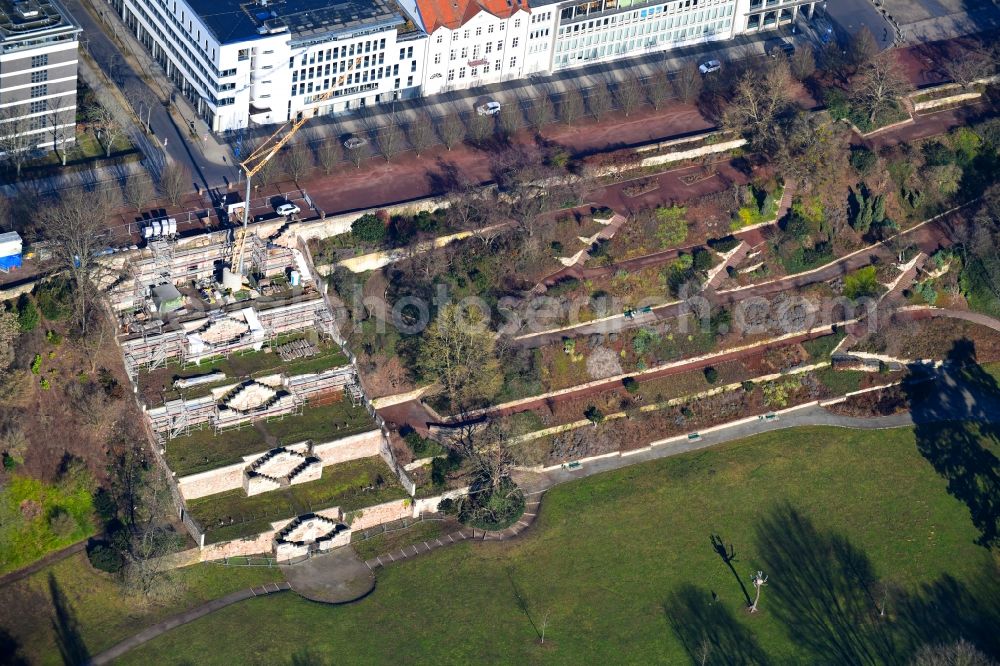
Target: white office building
point(267, 62)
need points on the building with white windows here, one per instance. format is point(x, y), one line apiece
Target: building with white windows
point(271, 60)
point(38, 61)
point(477, 43)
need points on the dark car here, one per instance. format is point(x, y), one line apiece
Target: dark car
point(782, 48)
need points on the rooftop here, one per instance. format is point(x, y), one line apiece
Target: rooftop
point(19, 18)
point(238, 20)
point(453, 14)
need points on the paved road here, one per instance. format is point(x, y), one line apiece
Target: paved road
point(853, 15)
point(123, 72)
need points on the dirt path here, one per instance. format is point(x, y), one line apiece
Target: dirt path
point(38, 565)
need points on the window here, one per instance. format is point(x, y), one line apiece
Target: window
point(496, 65)
point(489, 29)
point(465, 35)
point(38, 77)
point(517, 23)
point(39, 91)
point(39, 60)
point(489, 47)
point(437, 58)
point(461, 72)
point(413, 66)
point(451, 75)
point(409, 52)
point(396, 84)
point(465, 52)
point(409, 81)
point(402, 53)
point(479, 30)
point(453, 54)
point(514, 42)
point(440, 39)
point(513, 62)
point(38, 106)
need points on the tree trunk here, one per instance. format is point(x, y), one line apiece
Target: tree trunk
point(753, 608)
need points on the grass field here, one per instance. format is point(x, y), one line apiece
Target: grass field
point(90, 612)
point(341, 485)
point(622, 566)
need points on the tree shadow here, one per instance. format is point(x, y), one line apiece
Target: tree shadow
point(822, 591)
point(71, 646)
point(10, 650)
point(728, 555)
point(955, 412)
point(708, 631)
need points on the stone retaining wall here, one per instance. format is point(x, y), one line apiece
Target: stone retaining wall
point(430, 504)
point(364, 445)
point(381, 513)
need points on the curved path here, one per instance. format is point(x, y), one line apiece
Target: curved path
point(152, 632)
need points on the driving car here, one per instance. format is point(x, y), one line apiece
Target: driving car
point(355, 142)
point(287, 209)
point(709, 66)
point(488, 109)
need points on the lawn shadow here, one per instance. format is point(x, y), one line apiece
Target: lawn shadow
point(954, 413)
point(823, 589)
point(708, 631)
point(522, 602)
point(71, 646)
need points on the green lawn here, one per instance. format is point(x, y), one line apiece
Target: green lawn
point(341, 485)
point(819, 349)
point(95, 612)
point(37, 518)
point(622, 564)
point(203, 449)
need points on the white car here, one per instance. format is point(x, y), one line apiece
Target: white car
point(488, 109)
point(287, 209)
point(710, 66)
point(354, 142)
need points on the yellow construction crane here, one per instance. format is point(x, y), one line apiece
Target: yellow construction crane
point(256, 160)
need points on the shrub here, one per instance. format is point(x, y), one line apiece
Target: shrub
point(863, 160)
point(53, 300)
point(861, 283)
point(368, 229)
point(105, 558)
point(866, 209)
point(672, 228)
point(61, 523)
point(36, 364)
point(441, 467)
point(747, 386)
point(701, 260)
point(723, 245)
point(53, 338)
point(711, 375)
point(836, 103)
point(448, 506)
point(416, 443)
point(27, 313)
point(593, 414)
point(631, 385)
point(937, 154)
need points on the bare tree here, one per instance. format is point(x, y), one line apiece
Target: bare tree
point(451, 130)
point(174, 182)
point(599, 100)
point(109, 128)
point(266, 174)
point(629, 95)
point(961, 653)
point(356, 153)
point(138, 191)
point(510, 118)
point(297, 161)
point(687, 82)
point(657, 89)
point(571, 106)
point(803, 63)
point(421, 133)
point(969, 65)
point(759, 580)
point(77, 236)
point(541, 112)
point(879, 85)
point(480, 127)
point(328, 154)
point(757, 104)
point(17, 139)
point(862, 48)
point(59, 116)
point(389, 138)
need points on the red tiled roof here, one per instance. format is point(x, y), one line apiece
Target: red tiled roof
point(454, 14)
